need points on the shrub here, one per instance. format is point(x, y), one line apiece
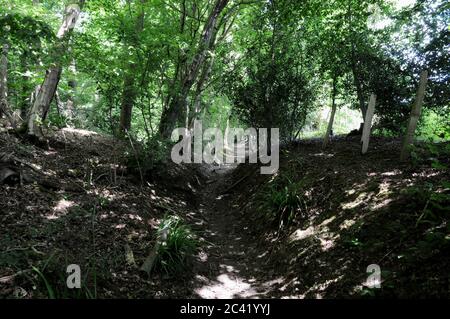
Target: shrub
point(285, 201)
point(145, 159)
point(179, 246)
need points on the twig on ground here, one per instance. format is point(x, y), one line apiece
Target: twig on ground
point(7, 279)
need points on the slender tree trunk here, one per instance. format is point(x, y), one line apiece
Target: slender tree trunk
point(368, 124)
point(128, 98)
point(358, 85)
point(197, 105)
point(58, 104)
point(4, 105)
point(26, 87)
point(354, 65)
point(415, 114)
point(129, 92)
point(178, 100)
point(42, 101)
point(333, 112)
point(70, 104)
point(41, 105)
point(360, 95)
point(4, 80)
point(70, 110)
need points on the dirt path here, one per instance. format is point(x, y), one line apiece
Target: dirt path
point(233, 261)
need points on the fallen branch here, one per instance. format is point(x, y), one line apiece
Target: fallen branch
point(7, 279)
point(10, 158)
point(149, 262)
point(33, 248)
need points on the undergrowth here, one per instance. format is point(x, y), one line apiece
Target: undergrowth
point(178, 245)
point(283, 200)
point(49, 280)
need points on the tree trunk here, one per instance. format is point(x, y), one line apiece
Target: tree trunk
point(59, 108)
point(178, 100)
point(129, 92)
point(333, 112)
point(415, 114)
point(197, 105)
point(41, 105)
point(358, 85)
point(169, 117)
point(42, 101)
point(4, 106)
point(69, 111)
point(368, 124)
point(128, 98)
point(26, 87)
point(4, 80)
point(354, 64)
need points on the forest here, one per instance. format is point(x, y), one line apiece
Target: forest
point(222, 149)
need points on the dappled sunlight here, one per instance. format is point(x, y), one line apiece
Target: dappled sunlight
point(380, 203)
point(227, 286)
point(324, 155)
point(394, 172)
point(110, 214)
point(346, 224)
point(230, 283)
point(202, 256)
point(427, 174)
point(355, 203)
point(326, 238)
point(228, 269)
point(318, 288)
point(46, 172)
point(275, 282)
point(50, 153)
point(327, 221)
point(134, 217)
point(326, 243)
point(79, 132)
point(384, 188)
point(199, 222)
point(107, 194)
point(60, 209)
point(300, 234)
point(374, 194)
point(263, 255)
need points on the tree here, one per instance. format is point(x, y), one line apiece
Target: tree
point(178, 97)
point(4, 107)
point(48, 88)
point(415, 114)
point(129, 83)
point(273, 86)
point(332, 114)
